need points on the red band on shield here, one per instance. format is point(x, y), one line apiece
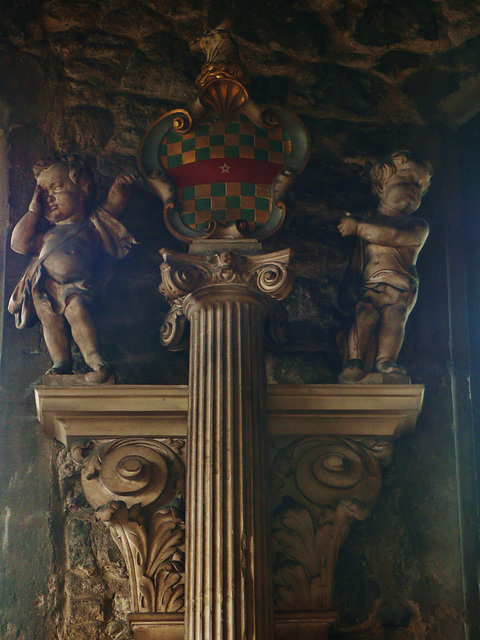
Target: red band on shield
point(224, 170)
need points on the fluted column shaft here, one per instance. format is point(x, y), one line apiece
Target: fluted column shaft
point(226, 297)
point(228, 557)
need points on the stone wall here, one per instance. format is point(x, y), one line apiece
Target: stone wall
point(366, 78)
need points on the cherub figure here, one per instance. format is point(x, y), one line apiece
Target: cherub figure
point(59, 284)
point(383, 276)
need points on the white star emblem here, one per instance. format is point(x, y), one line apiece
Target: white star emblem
point(225, 168)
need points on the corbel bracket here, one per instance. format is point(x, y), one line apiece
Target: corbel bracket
point(330, 444)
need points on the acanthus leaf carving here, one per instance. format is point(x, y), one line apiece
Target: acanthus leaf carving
point(303, 578)
point(154, 552)
point(167, 559)
point(128, 531)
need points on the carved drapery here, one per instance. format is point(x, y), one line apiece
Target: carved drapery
point(322, 485)
point(137, 488)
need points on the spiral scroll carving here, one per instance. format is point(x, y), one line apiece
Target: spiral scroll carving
point(322, 486)
point(183, 274)
point(133, 470)
point(274, 280)
point(327, 470)
point(178, 281)
point(182, 121)
point(173, 332)
point(271, 118)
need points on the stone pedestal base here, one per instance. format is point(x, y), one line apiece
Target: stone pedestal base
point(90, 379)
point(157, 626)
point(377, 378)
point(304, 625)
point(301, 625)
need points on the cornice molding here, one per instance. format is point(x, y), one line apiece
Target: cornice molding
point(117, 411)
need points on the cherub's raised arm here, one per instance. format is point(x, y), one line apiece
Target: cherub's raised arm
point(410, 232)
point(119, 194)
point(25, 231)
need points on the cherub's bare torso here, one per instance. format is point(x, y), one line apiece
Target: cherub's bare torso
point(71, 259)
point(393, 264)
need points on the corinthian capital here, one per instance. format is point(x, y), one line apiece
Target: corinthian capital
point(183, 274)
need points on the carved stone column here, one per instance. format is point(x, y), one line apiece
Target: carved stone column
point(228, 575)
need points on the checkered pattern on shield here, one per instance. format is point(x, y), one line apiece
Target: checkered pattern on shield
point(224, 171)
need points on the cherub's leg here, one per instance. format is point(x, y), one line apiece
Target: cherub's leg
point(56, 336)
point(359, 338)
point(362, 330)
point(84, 333)
point(390, 336)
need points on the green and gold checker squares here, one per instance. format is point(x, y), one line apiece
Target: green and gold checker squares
point(219, 140)
point(225, 202)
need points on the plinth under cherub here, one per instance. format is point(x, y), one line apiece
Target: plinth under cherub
point(382, 280)
point(60, 283)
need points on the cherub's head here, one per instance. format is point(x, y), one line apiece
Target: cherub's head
point(400, 181)
point(68, 187)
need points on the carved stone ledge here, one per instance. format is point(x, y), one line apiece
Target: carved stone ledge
point(118, 411)
point(161, 411)
point(370, 410)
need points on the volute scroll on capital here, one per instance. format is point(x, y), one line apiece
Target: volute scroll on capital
point(184, 273)
point(174, 333)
